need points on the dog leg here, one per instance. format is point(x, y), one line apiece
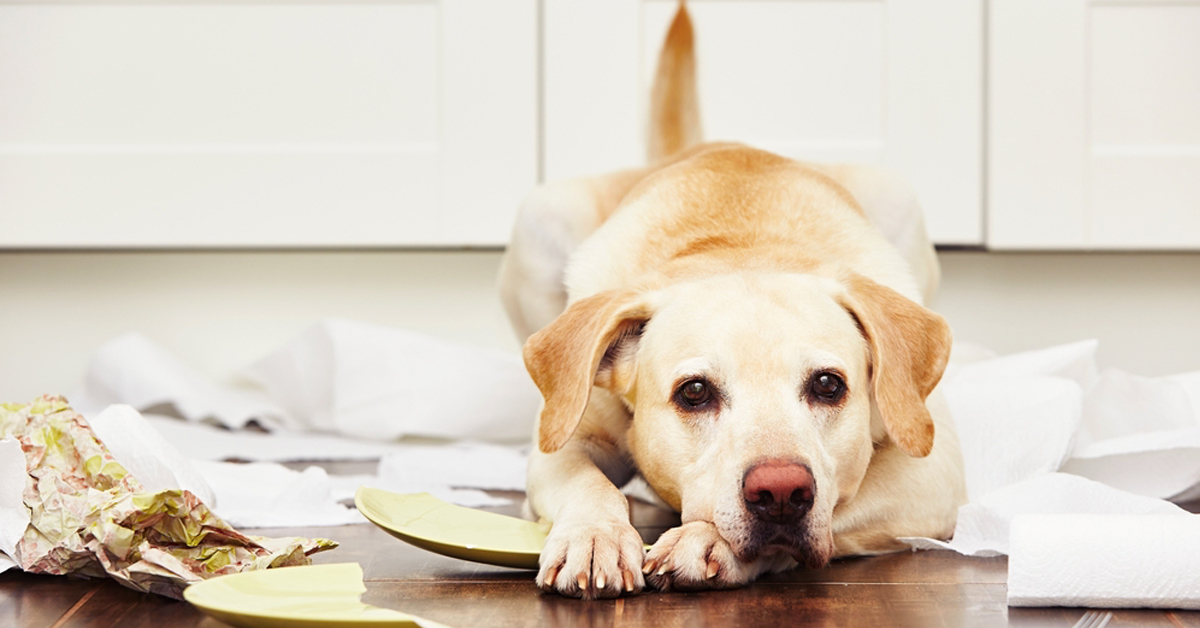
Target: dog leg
point(592, 550)
point(694, 556)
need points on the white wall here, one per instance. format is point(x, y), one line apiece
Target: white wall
point(219, 311)
point(1143, 307)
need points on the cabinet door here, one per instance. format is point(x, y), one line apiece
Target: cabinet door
point(1094, 130)
point(891, 82)
point(215, 123)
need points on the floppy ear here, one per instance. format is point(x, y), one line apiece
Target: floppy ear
point(564, 357)
point(909, 348)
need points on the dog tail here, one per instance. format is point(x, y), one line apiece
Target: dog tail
point(674, 106)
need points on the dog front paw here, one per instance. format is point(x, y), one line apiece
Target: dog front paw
point(592, 560)
point(693, 557)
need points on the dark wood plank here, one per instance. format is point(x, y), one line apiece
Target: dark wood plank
point(114, 605)
point(39, 601)
point(766, 604)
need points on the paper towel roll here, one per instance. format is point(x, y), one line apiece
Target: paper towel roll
point(1108, 561)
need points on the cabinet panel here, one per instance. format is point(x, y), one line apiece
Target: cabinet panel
point(896, 83)
point(1094, 141)
point(225, 123)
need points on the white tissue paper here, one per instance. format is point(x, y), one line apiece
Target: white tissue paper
point(1113, 561)
point(132, 370)
point(340, 390)
point(339, 377)
point(269, 495)
point(1043, 434)
point(453, 472)
point(156, 463)
point(1141, 435)
point(371, 381)
point(206, 442)
point(983, 524)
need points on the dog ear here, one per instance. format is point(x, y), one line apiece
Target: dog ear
point(909, 348)
point(564, 357)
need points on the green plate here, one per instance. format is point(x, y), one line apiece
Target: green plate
point(314, 596)
point(432, 524)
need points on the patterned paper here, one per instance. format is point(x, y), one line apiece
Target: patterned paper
point(89, 517)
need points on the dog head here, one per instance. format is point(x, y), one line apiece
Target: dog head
point(757, 398)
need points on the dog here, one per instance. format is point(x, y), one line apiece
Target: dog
point(747, 333)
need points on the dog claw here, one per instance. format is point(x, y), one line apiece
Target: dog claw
point(627, 578)
point(648, 568)
point(713, 568)
point(582, 581)
point(662, 570)
point(551, 576)
point(600, 581)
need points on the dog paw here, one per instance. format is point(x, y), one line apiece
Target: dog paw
point(592, 560)
point(693, 557)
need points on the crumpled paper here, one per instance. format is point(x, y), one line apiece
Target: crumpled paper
point(88, 516)
point(373, 381)
point(337, 377)
point(1044, 432)
point(131, 369)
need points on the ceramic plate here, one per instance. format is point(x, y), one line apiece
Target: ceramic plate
point(315, 596)
point(432, 524)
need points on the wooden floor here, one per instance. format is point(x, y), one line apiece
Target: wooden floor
point(909, 589)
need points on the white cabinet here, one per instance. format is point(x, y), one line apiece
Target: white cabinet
point(216, 123)
point(893, 82)
point(1094, 130)
point(321, 123)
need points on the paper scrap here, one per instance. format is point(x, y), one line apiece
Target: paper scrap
point(201, 441)
point(983, 525)
point(132, 370)
point(269, 495)
point(372, 381)
point(144, 453)
point(89, 517)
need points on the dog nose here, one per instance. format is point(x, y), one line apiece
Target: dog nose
point(778, 491)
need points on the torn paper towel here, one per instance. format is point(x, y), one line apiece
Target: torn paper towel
point(983, 525)
point(371, 381)
point(145, 454)
point(337, 377)
point(1024, 417)
point(999, 403)
point(453, 472)
point(202, 441)
point(1141, 434)
point(132, 370)
point(1105, 561)
point(269, 495)
point(88, 516)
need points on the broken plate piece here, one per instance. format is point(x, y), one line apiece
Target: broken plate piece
point(443, 528)
point(313, 596)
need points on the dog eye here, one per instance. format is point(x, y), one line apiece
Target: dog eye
point(827, 387)
point(693, 394)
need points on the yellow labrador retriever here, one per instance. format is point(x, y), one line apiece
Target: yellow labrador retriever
point(744, 331)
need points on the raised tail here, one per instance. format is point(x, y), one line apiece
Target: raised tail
point(674, 106)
